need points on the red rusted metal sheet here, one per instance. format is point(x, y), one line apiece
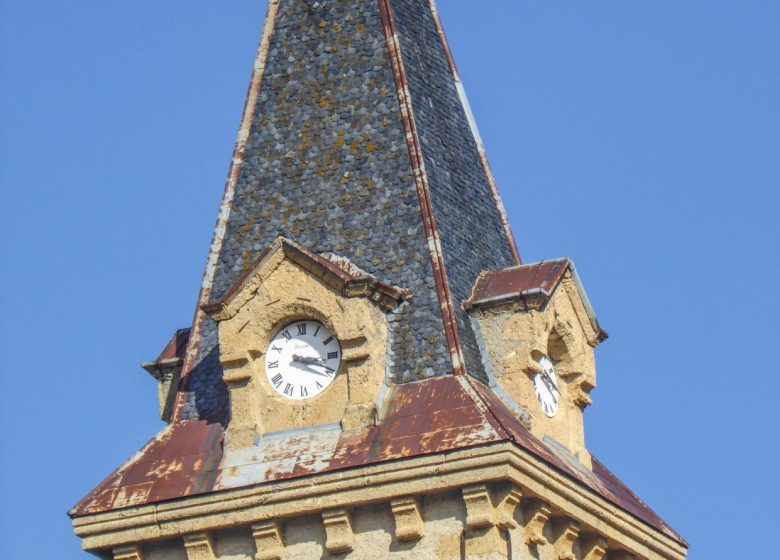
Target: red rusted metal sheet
point(425, 417)
point(176, 347)
point(497, 286)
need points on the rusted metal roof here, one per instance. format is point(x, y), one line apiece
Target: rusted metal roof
point(496, 287)
point(171, 356)
point(500, 286)
point(426, 417)
point(600, 479)
point(176, 347)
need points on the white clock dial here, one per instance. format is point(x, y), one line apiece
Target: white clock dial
point(302, 360)
point(546, 386)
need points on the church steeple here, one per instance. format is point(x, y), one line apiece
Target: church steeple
point(357, 140)
point(371, 371)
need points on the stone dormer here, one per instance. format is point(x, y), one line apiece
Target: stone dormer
point(534, 318)
point(289, 286)
point(166, 370)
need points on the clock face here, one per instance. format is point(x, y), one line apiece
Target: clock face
point(546, 386)
point(302, 360)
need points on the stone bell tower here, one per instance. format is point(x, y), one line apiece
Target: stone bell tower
point(372, 372)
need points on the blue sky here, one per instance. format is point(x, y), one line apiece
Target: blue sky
point(638, 138)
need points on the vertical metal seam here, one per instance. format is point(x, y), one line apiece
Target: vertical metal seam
point(477, 137)
point(423, 188)
point(239, 153)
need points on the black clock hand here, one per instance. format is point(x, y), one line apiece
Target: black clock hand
point(307, 360)
point(550, 386)
point(314, 371)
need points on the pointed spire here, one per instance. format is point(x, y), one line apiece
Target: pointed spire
point(357, 140)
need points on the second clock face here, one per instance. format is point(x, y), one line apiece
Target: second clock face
point(546, 387)
point(302, 360)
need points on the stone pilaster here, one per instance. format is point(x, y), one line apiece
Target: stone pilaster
point(199, 546)
point(408, 519)
point(338, 528)
point(268, 541)
point(128, 552)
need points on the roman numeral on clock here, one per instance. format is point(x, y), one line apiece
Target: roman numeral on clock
point(302, 329)
point(277, 380)
point(273, 365)
point(288, 390)
point(304, 391)
point(327, 340)
point(287, 335)
point(333, 355)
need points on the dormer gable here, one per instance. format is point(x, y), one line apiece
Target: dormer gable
point(166, 370)
point(339, 273)
point(538, 332)
point(287, 289)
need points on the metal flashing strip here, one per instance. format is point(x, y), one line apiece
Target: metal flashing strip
point(423, 188)
point(477, 136)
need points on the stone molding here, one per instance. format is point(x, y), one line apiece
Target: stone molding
point(407, 514)
point(268, 541)
point(375, 484)
point(338, 527)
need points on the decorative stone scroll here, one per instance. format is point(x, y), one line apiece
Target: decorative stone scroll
point(408, 519)
point(479, 507)
point(593, 547)
point(128, 552)
point(199, 546)
point(536, 514)
point(565, 534)
point(507, 506)
point(338, 528)
point(268, 541)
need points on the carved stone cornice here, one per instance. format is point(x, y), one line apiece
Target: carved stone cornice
point(390, 480)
